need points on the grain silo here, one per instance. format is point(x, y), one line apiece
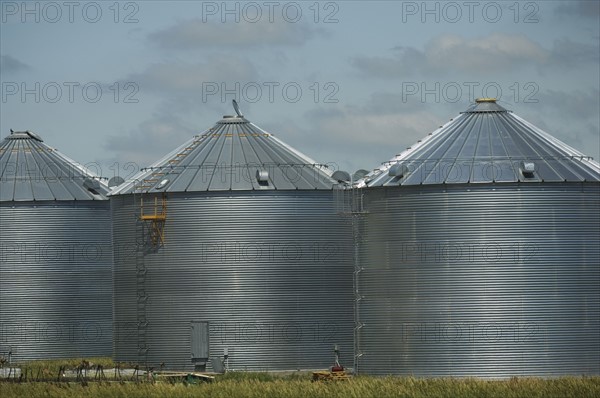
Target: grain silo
point(240, 260)
point(55, 254)
point(479, 254)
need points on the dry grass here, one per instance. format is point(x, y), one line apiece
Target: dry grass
point(299, 385)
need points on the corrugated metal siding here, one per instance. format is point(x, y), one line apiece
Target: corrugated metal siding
point(55, 280)
point(497, 280)
point(271, 273)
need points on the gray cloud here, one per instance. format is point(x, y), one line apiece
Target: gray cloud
point(497, 52)
point(183, 87)
point(185, 77)
point(572, 117)
point(589, 8)
point(194, 34)
point(9, 64)
point(360, 136)
point(567, 53)
point(149, 141)
point(578, 104)
point(403, 61)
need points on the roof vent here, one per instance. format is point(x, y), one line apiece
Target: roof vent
point(341, 176)
point(91, 184)
point(360, 173)
point(115, 181)
point(34, 136)
point(262, 176)
point(527, 169)
point(398, 170)
point(162, 184)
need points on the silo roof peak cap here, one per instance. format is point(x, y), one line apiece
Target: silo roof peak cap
point(237, 118)
point(230, 119)
point(484, 105)
point(26, 134)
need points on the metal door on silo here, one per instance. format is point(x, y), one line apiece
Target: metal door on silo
point(200, 344)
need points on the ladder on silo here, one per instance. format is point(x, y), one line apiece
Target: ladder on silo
point(154, 220)
point(349, 202)
point(174, 161)
point(149, 236)
point(141, 295)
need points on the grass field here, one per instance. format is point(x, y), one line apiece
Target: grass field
point(300, 385)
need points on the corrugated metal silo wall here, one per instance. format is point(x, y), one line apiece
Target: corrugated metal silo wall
point(270, 272)
point(490, 281)
point(55, 280)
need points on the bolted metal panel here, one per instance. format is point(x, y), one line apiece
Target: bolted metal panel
point(55, 279)
point(492, 280)
point(271, 272)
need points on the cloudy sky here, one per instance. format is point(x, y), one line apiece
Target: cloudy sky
point(352, 83)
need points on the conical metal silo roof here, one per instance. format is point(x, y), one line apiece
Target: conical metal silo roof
point(485, 144)
point(233, 155)
point(30, 170)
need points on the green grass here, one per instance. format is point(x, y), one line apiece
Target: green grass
point(357, 387)
point(53, 365)
point(240, 384)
